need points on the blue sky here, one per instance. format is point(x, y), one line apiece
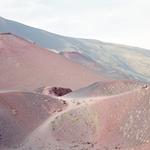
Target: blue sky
point(117, 21)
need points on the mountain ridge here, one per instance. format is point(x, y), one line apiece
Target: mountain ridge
point(127, 60)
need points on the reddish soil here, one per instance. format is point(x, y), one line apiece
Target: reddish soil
point(23, 65)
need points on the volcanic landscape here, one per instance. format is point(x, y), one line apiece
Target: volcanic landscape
point(62, 93)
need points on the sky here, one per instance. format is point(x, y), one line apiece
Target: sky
point(116, 21)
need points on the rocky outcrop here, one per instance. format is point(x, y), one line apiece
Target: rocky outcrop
point(59, 91)
point(56, 91)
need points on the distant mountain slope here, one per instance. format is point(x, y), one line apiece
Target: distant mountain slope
point(94, 65)
point(128, 60)
point(24, 65)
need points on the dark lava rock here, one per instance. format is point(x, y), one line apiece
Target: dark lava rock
point(59, 91)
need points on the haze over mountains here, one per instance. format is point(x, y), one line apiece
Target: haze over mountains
point(63, 93)
point(118, 60)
